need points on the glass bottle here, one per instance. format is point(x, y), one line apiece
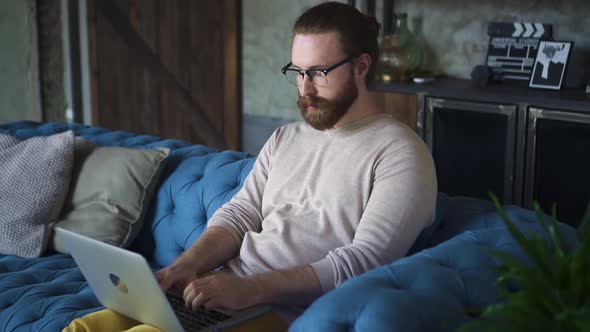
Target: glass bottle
point(394, 59)
point(417, 50)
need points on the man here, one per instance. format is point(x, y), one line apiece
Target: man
point(345, 191)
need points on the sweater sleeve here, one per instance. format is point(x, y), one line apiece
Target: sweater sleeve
point(401, 204)
point(243, 212)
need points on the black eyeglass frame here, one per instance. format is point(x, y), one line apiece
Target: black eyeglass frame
point(302, 72)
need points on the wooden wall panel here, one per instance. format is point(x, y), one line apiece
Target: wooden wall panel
point(165, 68)
point(143, 16)
point(233, 72)
point(403, 107)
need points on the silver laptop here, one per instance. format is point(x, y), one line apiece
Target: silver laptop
point(123, 282)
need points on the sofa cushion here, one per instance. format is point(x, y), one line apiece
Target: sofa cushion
point(202, 182)
point(110, 191)
point(42, 294)
point(34, 178)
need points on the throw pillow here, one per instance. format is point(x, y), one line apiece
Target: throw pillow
point(34, 178)
point(110, 192)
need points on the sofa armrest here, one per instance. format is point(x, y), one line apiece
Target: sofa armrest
point(437, 289)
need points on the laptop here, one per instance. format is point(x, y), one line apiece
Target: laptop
point(123, 282)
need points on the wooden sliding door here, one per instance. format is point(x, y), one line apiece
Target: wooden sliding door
point(167, 67)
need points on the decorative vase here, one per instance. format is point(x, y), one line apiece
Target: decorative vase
point(400, 55)
point(393, 64)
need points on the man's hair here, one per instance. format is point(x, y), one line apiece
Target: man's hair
point(358, 32)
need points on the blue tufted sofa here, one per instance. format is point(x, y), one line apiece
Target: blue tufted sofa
point(429, 290)
point(47, 293)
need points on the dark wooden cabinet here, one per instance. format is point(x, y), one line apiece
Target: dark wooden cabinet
point(522, 144)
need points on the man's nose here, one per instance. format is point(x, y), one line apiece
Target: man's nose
point(307, 87)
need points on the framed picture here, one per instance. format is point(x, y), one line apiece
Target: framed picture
point(550, 64)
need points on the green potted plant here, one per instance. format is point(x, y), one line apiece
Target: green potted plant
point(552, 293)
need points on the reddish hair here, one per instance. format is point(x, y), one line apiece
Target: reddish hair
point(358, 32)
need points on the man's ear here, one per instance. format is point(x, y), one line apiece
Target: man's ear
point(363, 63)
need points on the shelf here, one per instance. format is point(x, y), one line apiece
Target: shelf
point(506, 93)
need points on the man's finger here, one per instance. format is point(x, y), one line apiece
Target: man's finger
point(188, 289)
point(211, 304)
point(164, 282)
point(188, 298)
point(199, 300)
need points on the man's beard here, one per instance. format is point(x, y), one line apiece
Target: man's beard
point(327, 113)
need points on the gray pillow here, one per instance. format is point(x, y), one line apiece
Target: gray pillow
point(34, 179)
point(110, 192)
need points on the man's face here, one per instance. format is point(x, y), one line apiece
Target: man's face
point(322, 107)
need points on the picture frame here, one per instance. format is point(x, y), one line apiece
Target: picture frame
point(550, 64)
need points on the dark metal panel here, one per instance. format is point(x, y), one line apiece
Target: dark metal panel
point(509, 111)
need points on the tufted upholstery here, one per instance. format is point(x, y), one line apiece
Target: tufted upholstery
point(435, 289)
point(42, 294)
point(429, 290)
point(45, 294)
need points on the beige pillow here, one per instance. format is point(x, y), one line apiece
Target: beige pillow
point(110, 192)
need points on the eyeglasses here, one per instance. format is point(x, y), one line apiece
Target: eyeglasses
point(317, 76)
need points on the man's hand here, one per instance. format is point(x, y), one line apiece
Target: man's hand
point(215, 246)
point(298, 286)
point(222, 290)
point(177, 275)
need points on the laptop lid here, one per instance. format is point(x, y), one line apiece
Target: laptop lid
point(122, 280)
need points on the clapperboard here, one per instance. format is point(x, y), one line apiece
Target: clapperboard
point(513, 48)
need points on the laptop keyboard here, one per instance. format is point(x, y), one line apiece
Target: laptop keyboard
point(194, 320)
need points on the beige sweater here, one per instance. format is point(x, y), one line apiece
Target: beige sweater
point(344, 200)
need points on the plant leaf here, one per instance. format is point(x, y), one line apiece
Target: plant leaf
point(522, 240)
point(584, 228)
point(555, 236)
point(552, 293)
point(517, 318)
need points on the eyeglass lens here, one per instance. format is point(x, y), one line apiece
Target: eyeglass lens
point(317, 77)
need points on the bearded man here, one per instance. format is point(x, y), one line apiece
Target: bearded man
point(329, 198)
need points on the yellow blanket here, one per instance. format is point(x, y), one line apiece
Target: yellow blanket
point(107, 321)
